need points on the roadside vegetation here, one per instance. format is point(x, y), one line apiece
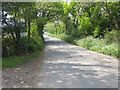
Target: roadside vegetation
point(91, 43)
point(22, 30)
point(14, 61)
point(93, 25)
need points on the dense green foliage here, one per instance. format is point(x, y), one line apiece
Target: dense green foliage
point(28, 18)
point(91, 18)
point(22, 28)
point(25, 46)
point(96, 24)
point(19, 22)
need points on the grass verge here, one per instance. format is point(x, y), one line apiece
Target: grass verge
point(14, 61)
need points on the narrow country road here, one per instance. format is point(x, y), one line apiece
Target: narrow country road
point(64, 65)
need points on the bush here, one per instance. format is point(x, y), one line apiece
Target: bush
point(9, 46)
point(34, 44)
point(112, 36)
point(96, 31)
point(85, 26)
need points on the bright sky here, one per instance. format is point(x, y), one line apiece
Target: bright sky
point(67, 1)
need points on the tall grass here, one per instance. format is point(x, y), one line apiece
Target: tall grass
point(99, 45)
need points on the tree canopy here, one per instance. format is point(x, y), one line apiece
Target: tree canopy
point(79, 19)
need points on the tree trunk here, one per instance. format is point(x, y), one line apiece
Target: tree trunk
point(18, 41)
point(13, 36)
point(25, 25)
point(28, 30)
point(40, 30)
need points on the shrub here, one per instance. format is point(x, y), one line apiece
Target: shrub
point(85, 26)
point(96, 31)
point(112, 36)
point(34, 44)
point(9, 47)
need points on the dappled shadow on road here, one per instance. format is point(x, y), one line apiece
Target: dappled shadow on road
point(69, 66)
point(64, 65)
point(55, 42)
point(76, 75)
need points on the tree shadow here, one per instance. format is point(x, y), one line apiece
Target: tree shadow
point(67, 66)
